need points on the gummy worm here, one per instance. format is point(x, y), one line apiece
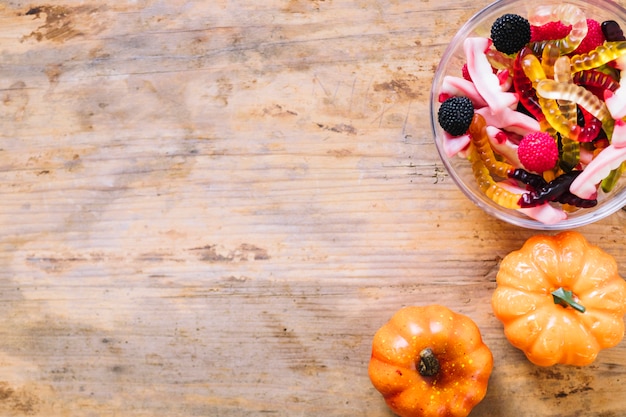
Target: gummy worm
point(592, 125)
point(524, 87)
point(556, 119)
point(555, 190)
point(457, 86)
point(569, 15)
point(486, 183)
point(603, 54)
point(501, 143)
point(549, 107)
point(499, 60)
point(563, 75)
point(574, 200)
point(545, 213)
point(545, 189)
point(570, 154)
point(532, 68)
point(609, 182)
point(570, 149)
point(549, 56)
point(591, 128)
point(608, 159)
point(566, 126)
point(480, 140)
point(551, 89)
point(486, 82)
point(595, 79)
point(491, 189)
point(533, 180)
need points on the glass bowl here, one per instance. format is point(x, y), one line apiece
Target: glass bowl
point(459, 167)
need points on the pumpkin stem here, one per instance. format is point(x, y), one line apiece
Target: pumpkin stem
point(428, 364)
point(566, 299)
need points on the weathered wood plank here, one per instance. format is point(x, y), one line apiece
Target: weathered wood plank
point(208, 209)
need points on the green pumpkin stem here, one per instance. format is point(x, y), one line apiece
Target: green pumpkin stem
point(566, 299)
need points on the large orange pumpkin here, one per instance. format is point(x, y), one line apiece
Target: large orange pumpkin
point(560, 299)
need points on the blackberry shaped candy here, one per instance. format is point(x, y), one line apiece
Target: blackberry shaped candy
point(455, 115)
point(510, 33)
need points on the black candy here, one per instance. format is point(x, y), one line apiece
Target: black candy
point(612, 31)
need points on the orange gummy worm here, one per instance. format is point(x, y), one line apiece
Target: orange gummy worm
point(482, 170)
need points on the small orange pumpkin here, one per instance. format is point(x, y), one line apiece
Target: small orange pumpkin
point(560, 299)
point(430, 362)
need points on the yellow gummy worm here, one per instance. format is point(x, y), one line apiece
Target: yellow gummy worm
point(603, 54)
point(555, 90)
point(550, 108)
point(562, 74)
point(533, 69)
point(549, 57)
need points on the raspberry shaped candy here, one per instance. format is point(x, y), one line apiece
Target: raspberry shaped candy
point(465, 73)
point(455, 115)
point(510, 33)
point(593, 39)
point(550, 31)
point(538, 152)
point(467, 76)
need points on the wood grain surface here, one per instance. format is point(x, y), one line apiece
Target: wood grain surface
point(209, 207)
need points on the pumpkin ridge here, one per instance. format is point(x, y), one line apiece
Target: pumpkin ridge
point(582, 316)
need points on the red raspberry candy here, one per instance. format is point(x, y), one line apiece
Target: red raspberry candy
point(594, 38)
point(549, 31)
point(465, 73)
point(538, 152)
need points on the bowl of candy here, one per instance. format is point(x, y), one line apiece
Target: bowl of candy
point(528, 111)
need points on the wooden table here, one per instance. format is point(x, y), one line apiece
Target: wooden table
point(208, 209)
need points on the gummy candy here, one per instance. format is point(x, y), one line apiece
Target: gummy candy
point(457, 86)
point(570, 154)
point(549, 56)
point(487, 184)
point(607, 160)
point(568, 14)
point(499, 60)
point(563, 75)
point(524, 87)
point(572, 92)
point(482, 147)
point(595, 79)
point(557, 190)
point(578, 100)
point(503, 145)
point(607, 52)
point(612, 31)
point(549, 107)
point(514, 121)
point(485, 80)
point(551, 89)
